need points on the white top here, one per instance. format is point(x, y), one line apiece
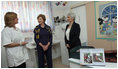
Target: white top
point(15, 55)
point(67, 33)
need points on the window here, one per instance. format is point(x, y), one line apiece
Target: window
point(27, 13)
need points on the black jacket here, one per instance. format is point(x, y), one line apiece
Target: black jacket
point(74, 39)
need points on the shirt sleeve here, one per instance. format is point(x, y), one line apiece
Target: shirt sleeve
point(50, 37)
point(36, 37)
point(6, 38)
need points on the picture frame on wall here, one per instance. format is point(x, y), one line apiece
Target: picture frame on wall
point(92, 56)
point(106, 20)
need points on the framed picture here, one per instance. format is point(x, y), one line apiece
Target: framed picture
point(106, 20)
point(92, 56)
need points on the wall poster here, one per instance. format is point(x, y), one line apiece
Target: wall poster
point(106, 20)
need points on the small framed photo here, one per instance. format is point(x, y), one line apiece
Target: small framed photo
point(92, 56)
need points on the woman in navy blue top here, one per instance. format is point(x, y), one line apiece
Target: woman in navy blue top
point(43, 39)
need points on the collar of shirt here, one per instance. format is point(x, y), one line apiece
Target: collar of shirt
point(41, 27)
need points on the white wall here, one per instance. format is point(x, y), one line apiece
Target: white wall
point(64, 52)
point(81, 20)
point(62, 10)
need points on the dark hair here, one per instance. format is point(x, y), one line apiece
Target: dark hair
point(42, 16)
point(9, 19)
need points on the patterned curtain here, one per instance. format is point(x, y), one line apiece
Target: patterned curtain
point(27, 13)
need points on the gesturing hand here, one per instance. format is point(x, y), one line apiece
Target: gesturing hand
point(24, 43)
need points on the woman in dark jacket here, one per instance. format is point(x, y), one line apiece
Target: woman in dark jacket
point(43, 39)
point(72, 33)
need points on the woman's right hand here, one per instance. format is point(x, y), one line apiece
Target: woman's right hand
point(24, 43)
point(44, 48)
point(67, 45)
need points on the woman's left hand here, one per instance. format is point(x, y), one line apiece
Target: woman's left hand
point(45, 48)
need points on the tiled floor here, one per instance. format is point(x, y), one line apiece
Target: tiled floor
point(58, 64)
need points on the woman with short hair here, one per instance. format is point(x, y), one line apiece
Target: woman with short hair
point(43, 39)
point(72, 33)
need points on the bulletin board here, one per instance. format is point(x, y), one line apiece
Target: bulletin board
point(106, 20)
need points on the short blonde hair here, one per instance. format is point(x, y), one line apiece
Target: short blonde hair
point(9, 19)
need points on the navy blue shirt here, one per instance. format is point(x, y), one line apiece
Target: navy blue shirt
point(42, 35)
